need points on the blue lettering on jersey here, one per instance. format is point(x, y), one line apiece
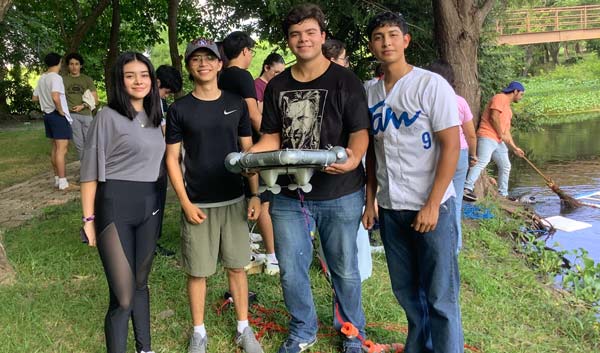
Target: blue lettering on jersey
point(378, 123)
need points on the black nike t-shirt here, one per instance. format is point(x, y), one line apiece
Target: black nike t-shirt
point(209, 130)
point(237, 80)
point(317, 115)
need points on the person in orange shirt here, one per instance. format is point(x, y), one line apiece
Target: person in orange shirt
point(494, 139)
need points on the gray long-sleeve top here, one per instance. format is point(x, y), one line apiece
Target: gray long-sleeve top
point(121, 149)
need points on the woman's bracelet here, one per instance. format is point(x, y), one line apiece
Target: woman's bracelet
point(85, 219)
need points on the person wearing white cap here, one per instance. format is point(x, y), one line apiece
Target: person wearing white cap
point(494, 139)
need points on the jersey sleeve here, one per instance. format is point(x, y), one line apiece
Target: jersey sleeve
point(174, 130)
point(271, 119)
point(440, 101)
point(93, 161)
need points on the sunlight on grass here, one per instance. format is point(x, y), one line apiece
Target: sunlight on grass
point(25, 153)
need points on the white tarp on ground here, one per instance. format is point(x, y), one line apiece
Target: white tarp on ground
point(566, 224)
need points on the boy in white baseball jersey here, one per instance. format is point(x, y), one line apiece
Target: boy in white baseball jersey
point(414, 122)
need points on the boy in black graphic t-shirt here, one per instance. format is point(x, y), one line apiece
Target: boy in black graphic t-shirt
point(211, 123)
point(316, 104)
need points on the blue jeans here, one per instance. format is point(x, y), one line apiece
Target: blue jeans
point(337, 224)
point(459, 183)
point(424, 273)
point(488, 149)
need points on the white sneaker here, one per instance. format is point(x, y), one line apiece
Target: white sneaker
point(63, 184)
point(271, 268)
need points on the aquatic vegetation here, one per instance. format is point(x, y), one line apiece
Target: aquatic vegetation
point(568, 93)
point(583, 278)
point(580, 276)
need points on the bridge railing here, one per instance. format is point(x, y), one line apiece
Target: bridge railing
point(549, 19)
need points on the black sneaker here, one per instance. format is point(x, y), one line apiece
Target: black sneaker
point(469, 196)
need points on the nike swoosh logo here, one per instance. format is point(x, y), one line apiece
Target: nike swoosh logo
point(155, 212)
point(227, 113)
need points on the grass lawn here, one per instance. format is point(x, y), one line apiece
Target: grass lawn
point(25, 152)
point(59, 300)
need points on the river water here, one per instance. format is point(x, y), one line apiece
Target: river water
point(570, 155)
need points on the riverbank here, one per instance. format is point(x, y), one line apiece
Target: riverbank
point(59, 298)
point(566, 94)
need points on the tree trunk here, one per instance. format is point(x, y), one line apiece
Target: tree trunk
point(3, 98)
point(73, 40)
point(578, 48)
point(528, 60)
point(4, 6)
point(457, 29)
point(113, 47)
point(172, 28)
point(566, 49)
point(553, 49)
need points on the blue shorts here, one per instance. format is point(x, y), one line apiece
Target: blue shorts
point(57, 126)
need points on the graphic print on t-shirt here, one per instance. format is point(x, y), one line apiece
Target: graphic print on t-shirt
point(302, 112)
point(76, 88)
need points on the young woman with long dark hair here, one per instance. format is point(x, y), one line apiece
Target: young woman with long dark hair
point(120, 165)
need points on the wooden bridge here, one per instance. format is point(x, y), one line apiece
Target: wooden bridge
point(549, 24)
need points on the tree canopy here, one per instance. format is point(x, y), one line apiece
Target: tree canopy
point(100, 29)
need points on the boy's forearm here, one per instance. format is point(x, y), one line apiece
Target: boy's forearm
point(57, 104)
point(253, 183)
point(254, 113)
point(267, 142)
point(176, 177)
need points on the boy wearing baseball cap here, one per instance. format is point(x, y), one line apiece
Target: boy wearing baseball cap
point(210, 123)
point(494, 139)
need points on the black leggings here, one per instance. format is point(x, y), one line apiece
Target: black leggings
point(127, 224)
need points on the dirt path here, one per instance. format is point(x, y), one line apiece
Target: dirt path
point(24, 201)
